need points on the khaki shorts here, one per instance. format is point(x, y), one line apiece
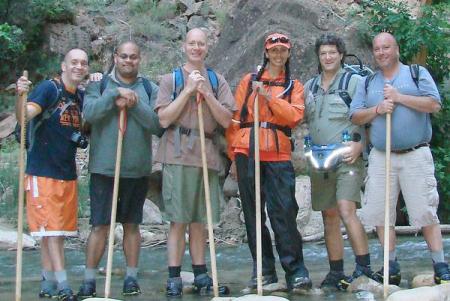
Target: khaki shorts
point(343, 184)
point(183, 194)
point(52, 206)
point(413, 174)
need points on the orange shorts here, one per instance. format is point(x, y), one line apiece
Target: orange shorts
point(52, 206)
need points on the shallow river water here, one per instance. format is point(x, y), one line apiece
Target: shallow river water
point(234, 269)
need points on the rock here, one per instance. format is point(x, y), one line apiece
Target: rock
point(435, 293)
point(423, 280)
point(8, 239)
point(188, 277)
point(7, 126)
point(63, 37)
point(230, 188)
point(365, 284)
point(151, 213)
point(197, 21)
point(303, 196)
point(257, 298)
point(118, 234)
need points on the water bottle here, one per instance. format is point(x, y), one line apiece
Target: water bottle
point(346, 136)
point(307, 143)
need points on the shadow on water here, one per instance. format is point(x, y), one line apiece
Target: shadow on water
point(234, 266)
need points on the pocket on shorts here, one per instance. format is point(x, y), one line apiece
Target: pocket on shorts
point(432, 193)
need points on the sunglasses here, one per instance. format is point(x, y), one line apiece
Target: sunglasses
point(274, 40)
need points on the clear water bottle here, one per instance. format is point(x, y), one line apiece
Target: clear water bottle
point(346, 136)
point(307, 143)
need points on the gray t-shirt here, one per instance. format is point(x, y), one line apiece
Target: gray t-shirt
point(409, 127)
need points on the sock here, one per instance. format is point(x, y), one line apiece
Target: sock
point(131, 272)
point(363, 260)
point(199, 269)
point(174, 271)
point(48, 275)
point(393, 255)
point(437, 256)
point(61, 278)
point(337, 265)
point(89, 274)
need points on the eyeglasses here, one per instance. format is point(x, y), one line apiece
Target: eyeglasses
point(274, 40)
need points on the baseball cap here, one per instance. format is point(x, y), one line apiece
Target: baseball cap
point(277, 39)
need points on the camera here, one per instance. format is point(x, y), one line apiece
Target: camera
point(80, 140)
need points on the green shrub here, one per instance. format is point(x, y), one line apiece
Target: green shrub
point(11, 41)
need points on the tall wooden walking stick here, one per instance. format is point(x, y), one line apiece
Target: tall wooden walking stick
point(212, 248)
point(121, 133)
point(387, 203)
point(258, 198)
point(23, 122)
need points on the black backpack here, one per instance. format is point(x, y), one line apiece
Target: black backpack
point(34, 124)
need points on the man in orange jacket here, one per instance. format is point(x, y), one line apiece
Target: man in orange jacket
point(281, 108)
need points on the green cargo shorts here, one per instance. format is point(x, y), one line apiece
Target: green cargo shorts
point(183, 194)
point(343, 184)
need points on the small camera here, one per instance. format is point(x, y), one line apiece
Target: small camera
point(80, 140)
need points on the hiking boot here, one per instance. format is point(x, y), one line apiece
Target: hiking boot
point(48, 289)
point(333, 280)
point(203, 285)
point(174, 287)
point(299, 280)
point(87, 289)
point(441, 273)
point(394, 273)
point(130, 287)
point(266, 279)
point(359, 271)
point(66, 294)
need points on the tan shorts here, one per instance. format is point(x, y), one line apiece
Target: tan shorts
point(343, 184)
point(413, 174)
point(52, 206)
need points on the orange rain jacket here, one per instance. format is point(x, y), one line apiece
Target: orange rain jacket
point(277, 111)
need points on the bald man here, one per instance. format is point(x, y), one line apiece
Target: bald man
point(393, 89)
point(179, 151)
point(123, 88)
point(51, 187)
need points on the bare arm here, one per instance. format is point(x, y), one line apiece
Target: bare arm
point(425, 104)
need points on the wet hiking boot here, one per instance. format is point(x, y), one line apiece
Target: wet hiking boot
point(441, 273)
point(266, 279)
point(174, 287)
point(87, 289)
point(66, 295)
point(359, 271)
point(48, 289)
point(299, 280)
point(333, 280)
point(394, 273)
point(130, 287)
point(203, 285)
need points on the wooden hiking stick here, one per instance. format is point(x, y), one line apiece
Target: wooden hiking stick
point(23, 122)
point(212, 248)
point(257, 198)
point(387, 207)
point(121, 133)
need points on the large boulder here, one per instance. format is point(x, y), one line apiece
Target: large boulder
point(8, 238)
point(435, 293)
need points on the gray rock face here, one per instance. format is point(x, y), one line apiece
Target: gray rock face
point(151, 213)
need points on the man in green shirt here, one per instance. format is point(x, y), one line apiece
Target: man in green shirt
point(122, 88)
point(337, 192)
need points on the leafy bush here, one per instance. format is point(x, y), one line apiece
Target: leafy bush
point(429, 33)
point(11, 41)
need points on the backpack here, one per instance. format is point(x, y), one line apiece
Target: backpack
point(178, 82)
point(413, 70)
point(34, 124)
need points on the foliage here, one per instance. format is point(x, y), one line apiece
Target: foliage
point(9, 174)
point(11, 41)
point(413, 34)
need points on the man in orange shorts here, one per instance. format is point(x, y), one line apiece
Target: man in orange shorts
point(53, 110)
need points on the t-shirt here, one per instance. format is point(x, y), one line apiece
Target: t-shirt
point(190, 150)
point(409, 127)
point(53, 153)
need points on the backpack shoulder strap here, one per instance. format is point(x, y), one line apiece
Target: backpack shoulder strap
point(314, 86)
point(414, 70)
point(177, 82)
point(367, 81)
point(53, 105)
point(214, 81)
point(345, 80)
point(147, 87)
